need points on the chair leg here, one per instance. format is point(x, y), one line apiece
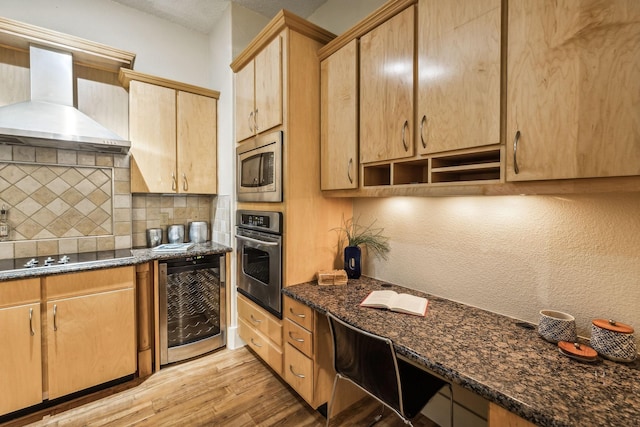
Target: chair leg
point(378, 417)
point(333, 395)
point(451, 401)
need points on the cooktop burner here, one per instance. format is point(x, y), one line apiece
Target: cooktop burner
point(53, 260)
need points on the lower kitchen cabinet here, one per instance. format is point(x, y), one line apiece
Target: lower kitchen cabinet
point(90, 333)
point(500, 417)
point(20, 352)
point(261, 331)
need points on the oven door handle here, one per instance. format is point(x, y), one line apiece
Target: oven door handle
point(260, 242)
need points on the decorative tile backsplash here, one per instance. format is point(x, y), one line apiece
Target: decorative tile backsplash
point(49, 201)
point(64, 201)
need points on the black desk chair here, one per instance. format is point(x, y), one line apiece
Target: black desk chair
point(369, 361)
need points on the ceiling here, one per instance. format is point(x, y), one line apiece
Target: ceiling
point(201, 15)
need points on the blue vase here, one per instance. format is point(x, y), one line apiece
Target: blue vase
point(352, 257)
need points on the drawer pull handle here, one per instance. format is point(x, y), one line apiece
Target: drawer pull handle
point(405, 126)
point(302, 316)
point(255, 343)
point(516, 139)
point(33, 332)
point(254, 320)
point(55, 317)
point(295, 339)
point(294, 372)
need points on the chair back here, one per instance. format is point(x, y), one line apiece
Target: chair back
point(368, 360)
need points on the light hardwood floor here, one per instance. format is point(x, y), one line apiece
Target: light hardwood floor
point(224, 388)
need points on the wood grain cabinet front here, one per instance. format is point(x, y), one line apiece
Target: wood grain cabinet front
point(259, 92)
point(90, 333)
point(573, 89)
point(20, 353)
point(261, 331)
point(173, 132)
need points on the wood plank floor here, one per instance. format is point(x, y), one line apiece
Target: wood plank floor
point(225, 388)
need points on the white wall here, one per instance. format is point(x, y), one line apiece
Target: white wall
point(338, 16)
point(162, 48)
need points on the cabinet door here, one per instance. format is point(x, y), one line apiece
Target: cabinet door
point(90, 340)
point(152, 129)
point(573, 89)
point(197, 144)
point(268, 62)
point(339, 119)
point(20, 357)
point(386, 90)
point(458, 74)
point(245, 106)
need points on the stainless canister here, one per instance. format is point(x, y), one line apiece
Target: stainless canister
point(198, 232)
point(175, 233)
point(154, 237)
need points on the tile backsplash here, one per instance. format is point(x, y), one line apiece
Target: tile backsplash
point(64, 201)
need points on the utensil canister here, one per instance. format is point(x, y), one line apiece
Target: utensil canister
point(198, 232)
point(154, 237)
point(175, 233)
point(557, 326)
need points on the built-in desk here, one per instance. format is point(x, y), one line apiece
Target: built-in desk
point(493, 356)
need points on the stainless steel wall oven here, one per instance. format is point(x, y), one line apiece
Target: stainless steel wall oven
point(192, 310)
point(259, 251)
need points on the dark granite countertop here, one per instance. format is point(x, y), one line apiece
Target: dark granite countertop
point(493, 356)
point(137, 256)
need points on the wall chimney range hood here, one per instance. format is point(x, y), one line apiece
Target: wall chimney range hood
point(49, 119)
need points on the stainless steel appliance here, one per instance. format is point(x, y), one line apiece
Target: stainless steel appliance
point(192, 306)
point(259, 250)
point(259, 166)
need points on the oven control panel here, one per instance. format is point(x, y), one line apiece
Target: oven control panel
point(260, 220)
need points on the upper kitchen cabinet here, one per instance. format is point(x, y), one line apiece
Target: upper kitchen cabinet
point(573, 89)
point(173, 132)
point(339, 119)
point(458, 104)
point(259, 92)
point(386, 89)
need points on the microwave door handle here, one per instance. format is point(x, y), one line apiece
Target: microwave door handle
point(261, 169)
point(260, 242)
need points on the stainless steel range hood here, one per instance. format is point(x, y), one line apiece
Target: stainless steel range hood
point(49, 119)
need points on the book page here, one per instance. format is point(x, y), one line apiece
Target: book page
point(411, 304)
point(380, 299)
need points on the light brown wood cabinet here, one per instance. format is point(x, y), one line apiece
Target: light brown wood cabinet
point(386, 89)
point(259, 92)
point(89, 325)
point(458, 96)
point(173, 132)
point(21, 352)
point(261, 331)
point(339, 119)
point(500, 417)
point(573, 90)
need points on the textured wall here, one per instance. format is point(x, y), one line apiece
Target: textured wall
point(517, 254)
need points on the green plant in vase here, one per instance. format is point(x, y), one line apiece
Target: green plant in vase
point(353, 236)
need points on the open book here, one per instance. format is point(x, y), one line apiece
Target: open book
point(403, 303)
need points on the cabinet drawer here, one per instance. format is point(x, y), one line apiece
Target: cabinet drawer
point(298, 372)
point(298, 337)
point(260, 344)
point(89, 282)
point(260, 320)
point(18, 292)
point(298, 312)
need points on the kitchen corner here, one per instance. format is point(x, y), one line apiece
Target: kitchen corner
point(497, 357)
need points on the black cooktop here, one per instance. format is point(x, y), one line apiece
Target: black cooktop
point(68, 259)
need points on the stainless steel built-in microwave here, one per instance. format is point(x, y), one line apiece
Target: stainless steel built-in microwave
point(259, 166)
